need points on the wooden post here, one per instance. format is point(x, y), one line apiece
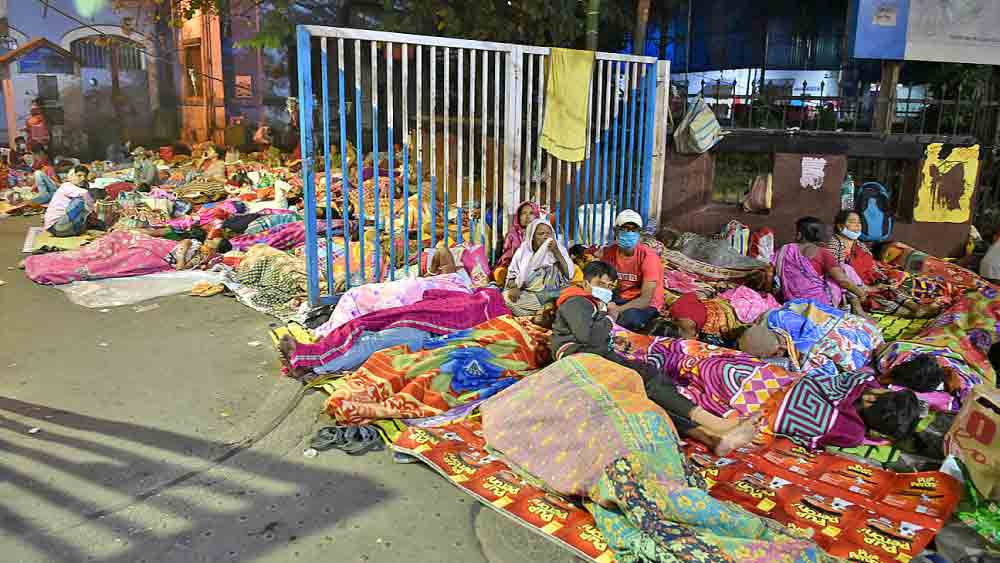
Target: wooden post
point(885, 108)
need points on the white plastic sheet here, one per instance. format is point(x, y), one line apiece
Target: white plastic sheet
point(116, 292)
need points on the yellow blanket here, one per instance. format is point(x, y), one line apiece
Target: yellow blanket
point(564, 133)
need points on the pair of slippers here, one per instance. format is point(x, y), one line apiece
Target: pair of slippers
point(206, 289)
point(352, 440)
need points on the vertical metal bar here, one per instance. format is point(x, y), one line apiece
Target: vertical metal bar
point(458, 127)
point(432, 122)
point(484, 126)
point(958, 109)
point(344, 184)
point(606, 206)
point(596, 155)
point(660, 89)
point(640, 121)
point(621, 142)
point(577, 196)
point(375, 164)
point(327, 164)
point(512, 128)
point(558, 195)
point(447, 138)
point(648, 137)
point(391, 146)
point(406, 157)
point(633, 119)
point(420, 154)
point(529, 83)
point(587, 195)
point(304, 48)
point(940, 115)
point(538, 129)
point(496, 154)
point(472, 145)
point(360, 150)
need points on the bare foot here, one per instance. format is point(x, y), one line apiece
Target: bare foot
point(739, 436)
point(287, 347)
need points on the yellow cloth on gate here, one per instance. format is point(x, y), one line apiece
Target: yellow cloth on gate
point(564, 133)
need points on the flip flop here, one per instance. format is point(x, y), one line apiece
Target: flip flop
point(330, 437)
point(361, 440)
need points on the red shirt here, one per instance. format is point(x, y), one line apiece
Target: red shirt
point(644, 265)
point(45, 167)
point(824, 262)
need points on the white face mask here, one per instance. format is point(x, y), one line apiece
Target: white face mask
point(602, 293)
point(853, 235)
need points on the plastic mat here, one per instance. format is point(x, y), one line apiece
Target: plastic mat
point(116, 292)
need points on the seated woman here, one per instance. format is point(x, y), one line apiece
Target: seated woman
point(540, 270)
point(525, 213)
point(890, 291)
point(812, 338)
point(809, 271)
point(959, 341)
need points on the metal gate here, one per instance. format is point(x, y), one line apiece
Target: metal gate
point(453, 127)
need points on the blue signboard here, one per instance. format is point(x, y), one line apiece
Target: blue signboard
point(45, 60)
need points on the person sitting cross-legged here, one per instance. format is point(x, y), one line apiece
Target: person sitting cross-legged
point(640, 275)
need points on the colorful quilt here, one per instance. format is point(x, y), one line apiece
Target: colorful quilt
point(584, 427)
point(450, 371)
point(887, 523)
point(898, 328)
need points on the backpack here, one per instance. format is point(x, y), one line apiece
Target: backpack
point(872, 204)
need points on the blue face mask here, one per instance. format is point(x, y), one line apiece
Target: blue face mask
point(602, 293)
point(853, 235)
point(628, 240)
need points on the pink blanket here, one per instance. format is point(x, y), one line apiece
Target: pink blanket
point(119, 254)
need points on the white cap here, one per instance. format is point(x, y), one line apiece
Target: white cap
point(628, 216)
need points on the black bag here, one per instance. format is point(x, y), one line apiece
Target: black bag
point(873, 204)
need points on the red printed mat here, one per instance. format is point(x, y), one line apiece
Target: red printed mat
point(852, 510)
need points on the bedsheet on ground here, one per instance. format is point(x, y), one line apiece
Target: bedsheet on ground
point(879, 517)
point(116, 292)
point(450, 371)
point(899, 328)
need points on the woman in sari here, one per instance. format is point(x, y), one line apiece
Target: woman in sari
point(809, 271)
point(523, 216)
point(890, 291)
point(540, 270)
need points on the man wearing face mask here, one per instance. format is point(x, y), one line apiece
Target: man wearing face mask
point(640, 275)
point(582, 326)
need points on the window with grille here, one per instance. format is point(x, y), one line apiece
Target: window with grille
point(94, 52)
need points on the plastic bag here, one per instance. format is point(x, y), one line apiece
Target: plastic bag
point(699, 131)
point(974, 439)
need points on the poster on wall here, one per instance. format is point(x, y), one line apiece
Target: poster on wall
point(244, 86)
point(961, 31)
point(946, 184)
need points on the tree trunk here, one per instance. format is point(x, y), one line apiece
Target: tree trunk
point(885, 108)
point(641, 23)
point(593, 19)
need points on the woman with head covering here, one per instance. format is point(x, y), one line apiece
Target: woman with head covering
point(807, 270)
point(539, 270)
point(890, 290)
point(523, 216)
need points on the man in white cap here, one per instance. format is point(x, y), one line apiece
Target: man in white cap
point(639, 296)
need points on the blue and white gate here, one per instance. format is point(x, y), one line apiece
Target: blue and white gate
point(453, 126)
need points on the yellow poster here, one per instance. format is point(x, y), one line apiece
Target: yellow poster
point(947, 182)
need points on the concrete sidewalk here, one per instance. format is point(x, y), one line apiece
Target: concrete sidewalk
point(118, 432)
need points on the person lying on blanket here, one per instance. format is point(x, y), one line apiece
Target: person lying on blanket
point(582, 326)
point(890, 290)
point(812, 338)
point(712, 320)
point(70, 206)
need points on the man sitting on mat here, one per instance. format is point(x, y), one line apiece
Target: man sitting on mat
point(640, 275)
point(70, 205)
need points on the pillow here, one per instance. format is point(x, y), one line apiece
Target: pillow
point(475, 263)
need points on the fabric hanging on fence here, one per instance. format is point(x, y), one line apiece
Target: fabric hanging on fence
point(564, 133)
point(947, 181)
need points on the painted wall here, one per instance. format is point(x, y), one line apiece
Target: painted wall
point(87, 101)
